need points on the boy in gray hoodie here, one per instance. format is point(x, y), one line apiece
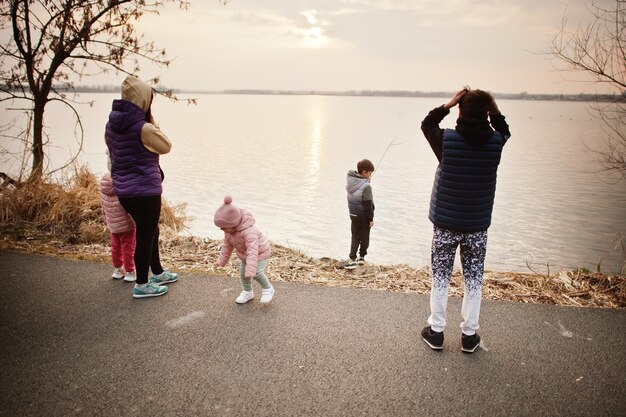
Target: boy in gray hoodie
point(361, 208)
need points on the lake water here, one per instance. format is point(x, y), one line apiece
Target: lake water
point(285, 159)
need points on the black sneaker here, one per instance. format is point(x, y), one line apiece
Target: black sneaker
point(432, 338)
point(349, 264)
point(360, 261)
point(470, 343)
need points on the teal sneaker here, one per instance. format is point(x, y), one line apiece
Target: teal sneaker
point(148, 290)
point(164, 278)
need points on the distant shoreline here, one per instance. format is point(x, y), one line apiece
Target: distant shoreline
point(359, 93)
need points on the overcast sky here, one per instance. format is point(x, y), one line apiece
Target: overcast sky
point(425, 45)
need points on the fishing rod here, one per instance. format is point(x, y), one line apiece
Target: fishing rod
point(392, 143)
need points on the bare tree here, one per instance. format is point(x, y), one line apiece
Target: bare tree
point(54, 43)
point(599, 49)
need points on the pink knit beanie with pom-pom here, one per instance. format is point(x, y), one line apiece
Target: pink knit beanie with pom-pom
point(228, 215)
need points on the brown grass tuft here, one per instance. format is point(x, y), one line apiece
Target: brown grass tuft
point(70, 211)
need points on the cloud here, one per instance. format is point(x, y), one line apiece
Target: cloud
point(342, 44)
point(266, 28)
point(260, 19)
point(310, 16)
point(472, 13)
point(343, 11)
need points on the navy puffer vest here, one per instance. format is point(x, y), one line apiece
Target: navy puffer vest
point(465, 183)
point(134, 169)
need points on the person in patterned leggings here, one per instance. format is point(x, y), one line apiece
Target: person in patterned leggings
point(461, 205)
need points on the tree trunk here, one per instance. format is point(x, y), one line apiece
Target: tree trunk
point(37, 148)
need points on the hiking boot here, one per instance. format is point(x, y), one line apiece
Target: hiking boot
point(118, 273)
point(130, 276)
point(148, 290)
point(164, 278)
point(360, 261)
point(469, 343)
point(432, 338)
point(349, 264)
point(266, 295)
point(244, 297)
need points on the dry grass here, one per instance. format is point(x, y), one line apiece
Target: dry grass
point(69, 211)
point(66, 220)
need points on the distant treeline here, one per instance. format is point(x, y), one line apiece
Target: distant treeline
point(358, 93)
point(444, 94)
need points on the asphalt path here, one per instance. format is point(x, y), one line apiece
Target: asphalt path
point(75, 342)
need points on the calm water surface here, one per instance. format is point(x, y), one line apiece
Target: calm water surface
point(285, 159)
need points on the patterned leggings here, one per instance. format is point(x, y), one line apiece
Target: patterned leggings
point(473, 250)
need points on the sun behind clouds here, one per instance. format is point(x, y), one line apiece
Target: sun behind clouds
point(314, 36)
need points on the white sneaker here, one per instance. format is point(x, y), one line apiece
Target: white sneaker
point(244, 297)
point(118, 273)
point(130, 276)
point(267, 294)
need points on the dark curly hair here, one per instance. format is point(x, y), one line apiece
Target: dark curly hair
point(475, 104)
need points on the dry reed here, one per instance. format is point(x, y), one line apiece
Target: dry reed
point(70, 211)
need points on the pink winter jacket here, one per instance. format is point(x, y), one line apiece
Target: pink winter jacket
point(248, 241)
point(117, 219)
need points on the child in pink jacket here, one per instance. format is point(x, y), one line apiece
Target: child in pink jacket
point(122, 228)
point(251, 246)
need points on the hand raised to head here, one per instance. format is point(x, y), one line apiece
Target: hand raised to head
point(493, 108)
point(457, 97)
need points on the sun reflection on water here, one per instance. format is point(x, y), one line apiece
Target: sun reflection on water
point(315, 148)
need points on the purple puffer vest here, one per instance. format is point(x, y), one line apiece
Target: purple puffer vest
point(134, 169)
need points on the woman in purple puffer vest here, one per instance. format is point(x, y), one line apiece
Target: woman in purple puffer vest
point(135, 143)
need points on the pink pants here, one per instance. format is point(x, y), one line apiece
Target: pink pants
point(123, 250)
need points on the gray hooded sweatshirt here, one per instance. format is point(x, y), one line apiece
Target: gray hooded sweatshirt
point(360, 197)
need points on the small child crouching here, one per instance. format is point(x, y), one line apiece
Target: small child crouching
point(253, 249)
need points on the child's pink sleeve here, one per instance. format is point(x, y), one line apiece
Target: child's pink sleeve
point(225, 252)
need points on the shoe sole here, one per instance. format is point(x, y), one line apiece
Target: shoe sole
point(243, 302)
point(130, 280)
point(165, 282)
point(469, 350)
point(114, 277)
point(433, 347)
point(149, 295)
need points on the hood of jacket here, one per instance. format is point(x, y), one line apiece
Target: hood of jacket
point(354, 181)
point(474, 131)
point(132, 108)
point(137, 92)
point(247, 220)
point(124, 115)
